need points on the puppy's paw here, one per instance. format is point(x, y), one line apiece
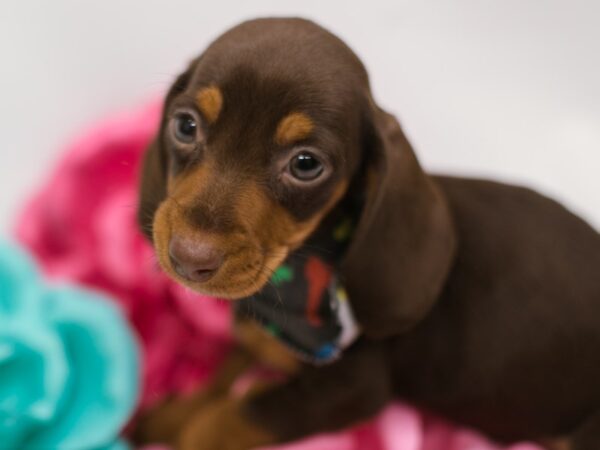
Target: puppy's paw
point(223, 427)
point(164, 422)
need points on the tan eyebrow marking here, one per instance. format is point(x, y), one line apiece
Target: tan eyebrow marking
point(210, 102)
point(293, 127)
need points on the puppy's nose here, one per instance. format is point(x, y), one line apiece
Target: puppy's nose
point(195, 261)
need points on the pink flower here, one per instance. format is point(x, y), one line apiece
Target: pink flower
point(82, 227)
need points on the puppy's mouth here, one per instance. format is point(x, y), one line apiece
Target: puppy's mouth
point(249, 284)
point(230, 265)
point(240, 274)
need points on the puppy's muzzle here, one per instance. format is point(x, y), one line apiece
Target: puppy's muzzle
point(194, 261)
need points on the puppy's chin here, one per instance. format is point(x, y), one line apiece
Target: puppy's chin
point(222, 289)
point(226, 292)
point(234, 280)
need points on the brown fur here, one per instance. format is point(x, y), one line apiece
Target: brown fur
point(557, 444)
point(477, 300)
point(265, 349)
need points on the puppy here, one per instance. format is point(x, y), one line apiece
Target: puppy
point(276, 180)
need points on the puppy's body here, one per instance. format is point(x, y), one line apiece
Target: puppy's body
point(477, 300)
point(512, 346)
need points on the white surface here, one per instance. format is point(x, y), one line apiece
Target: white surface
point(509, 89)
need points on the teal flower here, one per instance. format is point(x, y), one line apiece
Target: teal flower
point(68, 363)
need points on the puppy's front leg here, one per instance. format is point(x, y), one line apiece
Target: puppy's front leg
point(164, 421)
point(317, 399)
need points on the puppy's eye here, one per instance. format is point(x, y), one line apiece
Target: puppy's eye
point(305, 167)
point(185, 128)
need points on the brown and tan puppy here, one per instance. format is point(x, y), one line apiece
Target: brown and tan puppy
point(477, 300)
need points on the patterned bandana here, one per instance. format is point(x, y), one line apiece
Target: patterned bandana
point(304, 305)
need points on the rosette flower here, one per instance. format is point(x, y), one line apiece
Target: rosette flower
point(81, 226)
point(68, 363)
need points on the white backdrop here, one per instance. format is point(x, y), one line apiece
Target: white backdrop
point(508, 89)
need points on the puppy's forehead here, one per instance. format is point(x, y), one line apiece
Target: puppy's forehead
point(275, 68)
point(245, 102)
point(264, 62)
point(294, 106)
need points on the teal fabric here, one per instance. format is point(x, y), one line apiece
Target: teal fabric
point(68, 363)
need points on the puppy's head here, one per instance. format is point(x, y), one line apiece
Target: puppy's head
point(260, 138)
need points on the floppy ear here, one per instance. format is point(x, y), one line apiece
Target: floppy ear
point(153, 186)
point(404, 244)
point(153, 180)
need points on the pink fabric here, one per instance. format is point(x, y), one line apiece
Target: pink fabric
point(81, 225)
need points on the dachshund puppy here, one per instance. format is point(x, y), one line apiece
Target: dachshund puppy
point(276, 181)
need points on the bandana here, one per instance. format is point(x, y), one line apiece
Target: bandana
point(304, 305)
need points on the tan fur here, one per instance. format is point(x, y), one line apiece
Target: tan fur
point(170, 219)
point(185, 188)
point(270, 232)
point(223, 426)
point(265, 348)
point(293, 127)
point(235, 278)
point(210, 102)
point(276, 229)
point(164, 421)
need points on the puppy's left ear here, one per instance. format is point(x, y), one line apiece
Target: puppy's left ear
point(153, 178)
point(153, 186)
point(403, 247)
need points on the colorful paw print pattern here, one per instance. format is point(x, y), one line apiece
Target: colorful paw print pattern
point(304, 306)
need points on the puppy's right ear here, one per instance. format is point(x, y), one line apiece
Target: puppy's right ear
point(404, 245)
point(153, 179)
